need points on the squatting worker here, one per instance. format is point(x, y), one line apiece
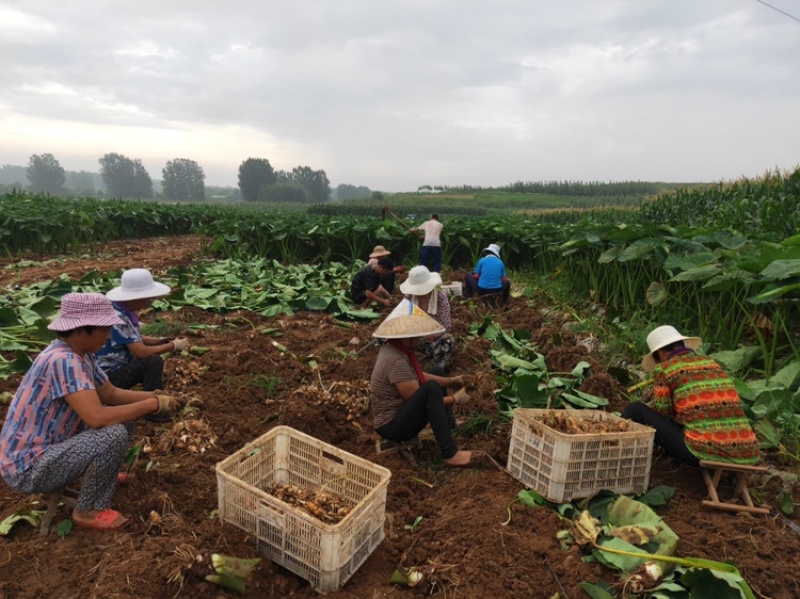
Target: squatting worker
point(423, 288)
point(489, 275)
point(431, 251)
point(404, 398)
point(366, 285)
point(387, 280)
point(68, 421)
point(697, 412)
point(128, 357)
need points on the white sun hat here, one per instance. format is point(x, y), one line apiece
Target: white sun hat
point(407, 321)
point(420, 281)
point(137, 283)
point(493, 248)
point(661, 337)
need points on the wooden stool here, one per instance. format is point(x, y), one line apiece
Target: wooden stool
point(68, 497)
point(490, 300)
point(406, 449)
point(712, 473)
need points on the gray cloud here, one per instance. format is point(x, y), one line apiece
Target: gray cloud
point(396, 94)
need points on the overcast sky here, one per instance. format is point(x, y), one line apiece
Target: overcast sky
point(396, 94)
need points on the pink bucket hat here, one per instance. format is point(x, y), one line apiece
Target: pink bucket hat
point(85, 309)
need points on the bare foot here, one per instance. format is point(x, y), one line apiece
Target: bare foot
point(465, 458)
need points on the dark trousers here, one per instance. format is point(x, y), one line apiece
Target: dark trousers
point(149, 372)
point(431, 253)
point(669, 434)
point(387, 281)
point(426, 405)
point(471, 288)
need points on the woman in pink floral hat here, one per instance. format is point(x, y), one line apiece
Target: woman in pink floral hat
point(68, 421)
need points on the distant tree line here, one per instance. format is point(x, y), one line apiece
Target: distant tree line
point(567, 188)
point(182, 179)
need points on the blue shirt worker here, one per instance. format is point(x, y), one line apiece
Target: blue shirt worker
point(489, 275)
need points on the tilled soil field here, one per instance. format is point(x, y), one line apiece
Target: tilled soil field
point(317, 383)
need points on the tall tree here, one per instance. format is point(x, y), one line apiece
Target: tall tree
point(45, 173)
point(345, 191)
point(316, 183)
point(125, 178)
point(254, 173)
point(182, 179)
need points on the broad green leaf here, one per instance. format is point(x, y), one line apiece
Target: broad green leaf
point(701, 273)
point(656, 294)
point(656, 496)
point(781, 269)
point(713, 584)
point(65, 527)
point(595, 591)
point(737, 360)
point(690, 261)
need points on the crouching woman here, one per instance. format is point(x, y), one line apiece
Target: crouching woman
point(404, 398)
point(68, 421)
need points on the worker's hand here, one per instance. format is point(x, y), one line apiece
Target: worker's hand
point(475, 276)
point(458, 381)
point(169, 404)
point(180, 344)
point(461, 397)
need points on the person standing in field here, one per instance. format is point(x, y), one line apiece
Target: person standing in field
point(697, 413)
point(128, 357)
point(431, 246)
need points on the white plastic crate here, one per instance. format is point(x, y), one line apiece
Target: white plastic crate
point(562, 467)
point(455, 289)
point(324, 554)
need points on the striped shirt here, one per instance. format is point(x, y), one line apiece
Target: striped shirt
point(391, 367)
point(38, 416)
point(696, 393)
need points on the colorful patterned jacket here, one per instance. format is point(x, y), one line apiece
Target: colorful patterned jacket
point(696, 393)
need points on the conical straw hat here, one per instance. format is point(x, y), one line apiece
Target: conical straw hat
point(407, 321)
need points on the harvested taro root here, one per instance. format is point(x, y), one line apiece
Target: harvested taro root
point(323, 505)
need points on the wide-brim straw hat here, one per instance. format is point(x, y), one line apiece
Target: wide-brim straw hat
point(407, 321)
point(83, 310)
point(379, 252)
point(493, 248)
point(137, 283)
point(662, 337)
point(420, 281)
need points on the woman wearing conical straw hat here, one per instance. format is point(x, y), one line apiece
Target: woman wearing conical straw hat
point(697, 413)
point(404, 398)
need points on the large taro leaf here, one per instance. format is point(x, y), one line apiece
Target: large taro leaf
point(728, 279)
point(734, 361)
point(639, 249)
point(723, 237)
point(701, 273)
point(690, 261)
point(656, 294)
point(788, 376)
point(773, 292)
point(781, 269)
point(714, 584)
point(526, 389)
point(610, 255)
